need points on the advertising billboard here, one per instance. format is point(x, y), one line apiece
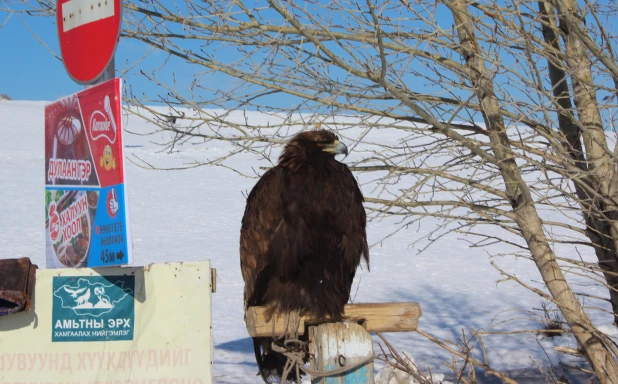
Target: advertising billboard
point(86, 218)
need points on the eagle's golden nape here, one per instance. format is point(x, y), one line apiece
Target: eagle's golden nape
point(302, 236)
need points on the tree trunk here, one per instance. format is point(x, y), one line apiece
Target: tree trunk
point(523, 205)
point(600, 207)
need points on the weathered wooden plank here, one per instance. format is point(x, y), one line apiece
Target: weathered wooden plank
point(341, 345)
point(374, 317)
point(213, 280)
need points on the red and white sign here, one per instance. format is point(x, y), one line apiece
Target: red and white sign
point(88, 31)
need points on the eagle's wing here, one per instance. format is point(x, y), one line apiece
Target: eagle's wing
point(352, 218)
point(323, 217)
point(262, 218)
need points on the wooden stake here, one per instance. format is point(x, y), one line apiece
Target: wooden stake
point(339, 345)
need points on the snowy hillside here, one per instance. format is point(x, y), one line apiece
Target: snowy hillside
point(195, 214)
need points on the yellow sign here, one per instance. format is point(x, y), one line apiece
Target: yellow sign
point(127, 325)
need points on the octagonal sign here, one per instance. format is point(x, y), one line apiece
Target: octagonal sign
point(88, 32)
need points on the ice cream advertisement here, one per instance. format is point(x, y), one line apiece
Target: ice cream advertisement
point(86, 220)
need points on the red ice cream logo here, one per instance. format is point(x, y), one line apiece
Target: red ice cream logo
point(112, 203)
point(103, 124)
point(54, 222)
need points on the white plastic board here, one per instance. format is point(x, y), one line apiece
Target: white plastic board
point(120, 325)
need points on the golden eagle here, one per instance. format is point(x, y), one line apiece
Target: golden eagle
point(302, 236)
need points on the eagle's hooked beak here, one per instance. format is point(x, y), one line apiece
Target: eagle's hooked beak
point(338, 148)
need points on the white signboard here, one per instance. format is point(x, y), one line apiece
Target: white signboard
point(117, 325)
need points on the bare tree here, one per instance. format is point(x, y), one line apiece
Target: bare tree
point(503, 112)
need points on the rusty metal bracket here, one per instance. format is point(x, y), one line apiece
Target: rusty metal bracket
point(17, 284)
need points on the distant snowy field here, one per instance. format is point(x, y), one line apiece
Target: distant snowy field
point(195, 214)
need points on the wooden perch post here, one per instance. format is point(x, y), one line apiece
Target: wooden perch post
point(345, 344)
point(382, 317)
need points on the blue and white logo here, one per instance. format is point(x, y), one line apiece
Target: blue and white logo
point(93, 308)
point(92, 299)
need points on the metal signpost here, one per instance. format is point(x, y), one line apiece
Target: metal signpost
point(85, 199)
point(84, 324)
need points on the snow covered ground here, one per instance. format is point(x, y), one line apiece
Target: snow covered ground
point(195, 214)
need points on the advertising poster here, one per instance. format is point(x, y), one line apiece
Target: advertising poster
point(86, 218)
point(117, 325)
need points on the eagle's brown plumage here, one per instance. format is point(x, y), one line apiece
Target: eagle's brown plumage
point(302, 235)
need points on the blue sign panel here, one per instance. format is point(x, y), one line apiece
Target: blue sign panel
point(93, 308)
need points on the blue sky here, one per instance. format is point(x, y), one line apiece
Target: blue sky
point(29, 70)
